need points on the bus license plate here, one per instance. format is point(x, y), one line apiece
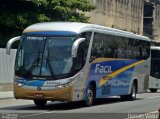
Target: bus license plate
point(38, 95)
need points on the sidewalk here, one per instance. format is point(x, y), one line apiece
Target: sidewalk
point(6, 95)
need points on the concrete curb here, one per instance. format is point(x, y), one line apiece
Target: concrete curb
point(7, 98)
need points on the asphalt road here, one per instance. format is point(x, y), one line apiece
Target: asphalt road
point(145, 107)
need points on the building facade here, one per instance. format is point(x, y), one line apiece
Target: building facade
point(156, 23)
point(122, 14)
point(137, 16)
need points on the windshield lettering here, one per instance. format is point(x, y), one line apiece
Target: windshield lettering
point(36, 38)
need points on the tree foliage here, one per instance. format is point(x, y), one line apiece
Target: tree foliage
point(16, 15)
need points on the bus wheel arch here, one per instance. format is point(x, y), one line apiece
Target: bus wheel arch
point(90, 94)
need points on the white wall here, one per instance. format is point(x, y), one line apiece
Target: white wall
point(7, 66)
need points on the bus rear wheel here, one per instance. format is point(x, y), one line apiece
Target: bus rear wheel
point(153, 90)
point(132, 95)
point(40, 103)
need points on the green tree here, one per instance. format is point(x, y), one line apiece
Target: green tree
point(16, 15)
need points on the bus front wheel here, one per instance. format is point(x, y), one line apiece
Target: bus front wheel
point(40, 103)
point(153, 90)
point(90, 97)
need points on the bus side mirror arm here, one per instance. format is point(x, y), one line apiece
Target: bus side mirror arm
point(10, 42)
point(76, 45)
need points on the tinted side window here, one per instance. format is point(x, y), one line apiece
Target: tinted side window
point(97, 42)
point(131, 46)
point(109, 46)
point(105, 46)
point(142, 49)
point(147, 44)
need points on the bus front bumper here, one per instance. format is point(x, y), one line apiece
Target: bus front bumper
point(63, 94)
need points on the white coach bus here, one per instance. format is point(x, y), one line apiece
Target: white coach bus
point(63, 61)
point(154, 82)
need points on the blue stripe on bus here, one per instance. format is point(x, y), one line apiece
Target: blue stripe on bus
point(28, 82)
point(52, 33)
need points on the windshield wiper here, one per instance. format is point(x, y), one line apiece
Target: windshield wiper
point(50, 66)
point(35, 62)
point(32, 66)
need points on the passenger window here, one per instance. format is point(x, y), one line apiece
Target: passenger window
point(109, 46)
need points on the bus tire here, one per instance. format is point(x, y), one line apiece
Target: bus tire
point(132, 95)
point(153, 90)
point(40, 103)
point(89, 100)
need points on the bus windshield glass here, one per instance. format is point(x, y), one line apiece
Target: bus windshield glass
point(155, 63)
point(44, 57)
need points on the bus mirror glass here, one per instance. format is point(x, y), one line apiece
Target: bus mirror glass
point(10, 42)
point(76, 45)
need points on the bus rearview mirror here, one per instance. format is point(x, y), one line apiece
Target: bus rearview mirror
point(10, 42)
point(76, 45)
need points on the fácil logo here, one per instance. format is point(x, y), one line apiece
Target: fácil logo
point(103, 69)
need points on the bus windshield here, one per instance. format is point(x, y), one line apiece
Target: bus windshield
point(44, 57)
point(155, 63)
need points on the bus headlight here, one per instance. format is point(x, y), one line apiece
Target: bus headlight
point(19, 84)
point(16, 81)
point(65, 85)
